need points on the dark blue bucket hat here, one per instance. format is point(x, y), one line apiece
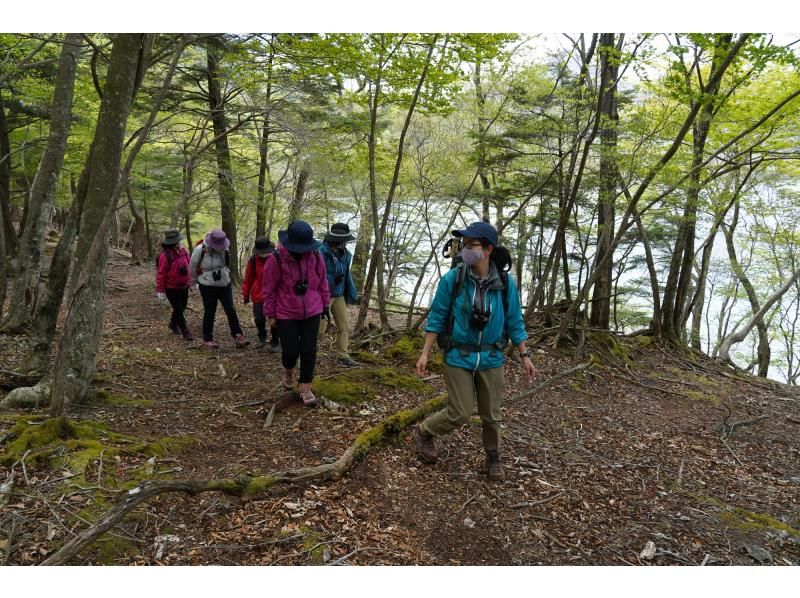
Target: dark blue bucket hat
point(479, 230)
point(299, 237)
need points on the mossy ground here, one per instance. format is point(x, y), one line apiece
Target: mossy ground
point(361, 384)
point(745, 520)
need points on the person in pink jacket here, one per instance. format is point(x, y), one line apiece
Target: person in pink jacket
point(172, 280)
point(294, 288)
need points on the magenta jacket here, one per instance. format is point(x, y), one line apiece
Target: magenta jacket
point(173, 269)
point(278, 287)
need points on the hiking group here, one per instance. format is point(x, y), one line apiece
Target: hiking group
point(298, 285)
point(294, 287)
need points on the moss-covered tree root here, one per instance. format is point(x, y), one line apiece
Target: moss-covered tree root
point(245, 486)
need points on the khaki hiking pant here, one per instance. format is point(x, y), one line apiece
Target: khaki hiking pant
point(338, 309)
point(464, 387)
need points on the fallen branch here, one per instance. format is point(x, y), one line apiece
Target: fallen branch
point(245, 485)
point(727, 446)
point(551, 380)
point(522, 505)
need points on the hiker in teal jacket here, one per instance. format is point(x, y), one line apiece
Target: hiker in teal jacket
point(482, 323)
point(343, 290)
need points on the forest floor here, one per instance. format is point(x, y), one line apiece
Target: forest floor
point(641, 447)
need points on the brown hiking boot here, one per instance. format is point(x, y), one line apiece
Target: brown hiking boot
point(494, 468)
point(426, 447)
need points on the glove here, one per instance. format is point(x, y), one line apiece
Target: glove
point(246, 300)
point(161, 296)
point(326, 313)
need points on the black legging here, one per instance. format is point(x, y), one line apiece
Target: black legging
point(178, 299)
point(299, 339)
point(261, 324)
point(210, 297)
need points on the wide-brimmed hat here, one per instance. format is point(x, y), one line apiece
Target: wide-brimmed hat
point(217, 240)
point(339, 233)
point(172, 236)
point(479, 230)
point(263, 246)
point(299, 237)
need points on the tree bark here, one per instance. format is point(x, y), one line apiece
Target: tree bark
point(139, 240)
point(263, 166)
point(227, 191)
point(28, 270)
point(609, 70)
point(9, 234)
point(752, 297)
point(44, 322)
point(296, 206)
point(80, 339)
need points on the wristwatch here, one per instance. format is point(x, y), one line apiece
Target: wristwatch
point(525, 354)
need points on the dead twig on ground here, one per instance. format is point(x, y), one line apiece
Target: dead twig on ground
point(727, 446)
point(550, 381)
point(522, 505)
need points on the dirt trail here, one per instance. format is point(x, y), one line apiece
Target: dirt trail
point(598, 465)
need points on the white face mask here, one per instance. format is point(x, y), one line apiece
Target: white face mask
point(471, 256)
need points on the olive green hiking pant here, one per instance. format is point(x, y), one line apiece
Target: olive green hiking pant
point(464, 388)
point(338, 309)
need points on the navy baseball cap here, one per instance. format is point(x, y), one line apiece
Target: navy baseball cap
point(479, 230)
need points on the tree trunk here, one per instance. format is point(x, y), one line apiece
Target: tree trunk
point(44, 322)
point(263, 166)
point(645, 183)
point(376, 260)
point(740, 334)
point(298, 197)
point(9, 234)
point(609, 69)
point(139, 240)
point(3, 264)
point(227, 191)
point(676, 290)
point(752, 297)
point(480, 97)
point(363, 248)
point(77, 353)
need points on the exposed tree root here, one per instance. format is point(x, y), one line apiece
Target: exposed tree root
point(28, 396)
point(245, 486)
point(9, 379)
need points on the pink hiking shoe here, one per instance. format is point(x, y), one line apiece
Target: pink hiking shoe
point(309, 400)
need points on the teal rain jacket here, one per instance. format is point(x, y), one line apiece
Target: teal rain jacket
point(513, 324)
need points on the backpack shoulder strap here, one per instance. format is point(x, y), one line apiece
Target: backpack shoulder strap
point(461, 274)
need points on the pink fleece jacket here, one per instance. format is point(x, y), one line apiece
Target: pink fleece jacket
point(278, 286)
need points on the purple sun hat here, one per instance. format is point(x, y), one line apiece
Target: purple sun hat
point(217, 240)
